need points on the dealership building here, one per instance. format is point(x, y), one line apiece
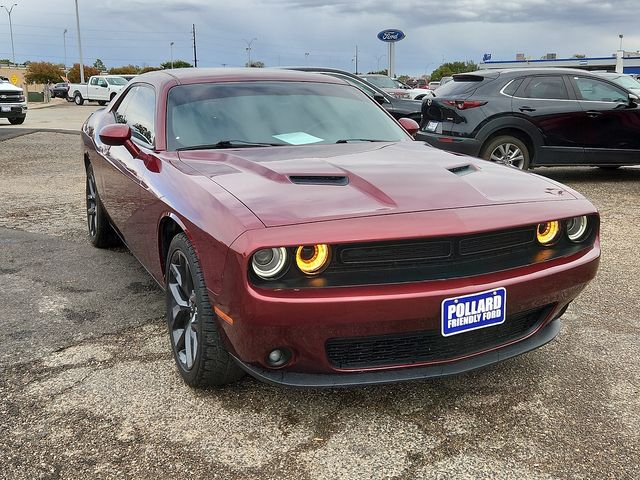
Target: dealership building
point(626, 62)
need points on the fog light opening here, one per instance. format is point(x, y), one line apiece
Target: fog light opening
point(278, 357)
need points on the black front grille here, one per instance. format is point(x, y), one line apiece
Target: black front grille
point(429, 345)
point(11, 97)
point(417, 251)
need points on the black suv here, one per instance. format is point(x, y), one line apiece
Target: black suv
point(531, 117)
point(397, 107)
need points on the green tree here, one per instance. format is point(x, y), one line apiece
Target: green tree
point(74, 73)
point(379, 72)
point(255, 64)
point(149, 69)
point(43, 72)
point(124, 70)
point(404, 78)
point(451, 68)
point(176, 64)
point(99, 64)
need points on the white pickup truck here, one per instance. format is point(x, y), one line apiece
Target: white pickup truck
point(13, 105)
point(101, 89)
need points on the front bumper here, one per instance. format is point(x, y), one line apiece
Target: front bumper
point(464, 145)
point(12, 110)
point(296, 379)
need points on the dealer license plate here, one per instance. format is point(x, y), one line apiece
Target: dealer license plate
point(431, 126)
point(471, 312)
point(6, 109)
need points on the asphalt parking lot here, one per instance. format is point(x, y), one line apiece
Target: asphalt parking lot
point(88, 387)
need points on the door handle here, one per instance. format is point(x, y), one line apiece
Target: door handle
point(593, 113)
point(527, 109)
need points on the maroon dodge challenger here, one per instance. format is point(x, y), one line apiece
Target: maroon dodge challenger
point(302, 236)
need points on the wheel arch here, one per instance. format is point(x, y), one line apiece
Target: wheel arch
point(514, 127)
point(169, 226)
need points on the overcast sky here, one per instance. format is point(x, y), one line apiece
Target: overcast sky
point(139, 31)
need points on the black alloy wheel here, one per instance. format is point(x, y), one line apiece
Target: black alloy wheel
point(507, 150)
point(195, 340)
point(101, 234)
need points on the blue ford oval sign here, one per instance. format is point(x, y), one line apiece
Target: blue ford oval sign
point(391, 35)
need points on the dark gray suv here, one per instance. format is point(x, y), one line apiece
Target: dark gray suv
point(532, 117)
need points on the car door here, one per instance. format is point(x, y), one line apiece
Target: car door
point(123, 177)
point(612, 121)
point(550, 105)
point(92, 88)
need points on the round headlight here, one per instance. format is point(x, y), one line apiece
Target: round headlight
point(577, 228)
point(268, 263)
point(313, 259)
point(548, 232)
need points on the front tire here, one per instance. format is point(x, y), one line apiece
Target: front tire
point(77, 98)
point(195, 340)
point(507, 150)
point(102, 103)
point(17, 120)
point(101, 233)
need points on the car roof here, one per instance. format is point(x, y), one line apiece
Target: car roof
point(212, 75)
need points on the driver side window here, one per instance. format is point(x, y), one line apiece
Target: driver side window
point(137, 110)
point(595, 90)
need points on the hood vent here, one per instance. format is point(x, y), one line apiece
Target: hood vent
point(462, 170)
point(319, 179)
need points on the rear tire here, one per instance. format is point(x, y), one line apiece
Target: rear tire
point(17, 120)
point(102, 103)
point(193, 330)
point(77, 98)
point(507, 150)
point(101, 233)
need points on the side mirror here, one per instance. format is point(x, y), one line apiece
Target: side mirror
point(119, 135)
point(411, 126)
point(633, 99)
point(378, 97)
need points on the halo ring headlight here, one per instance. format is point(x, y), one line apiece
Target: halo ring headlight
point(313, 259)
point(577, 228)
point(548, 233)
point(269, 263)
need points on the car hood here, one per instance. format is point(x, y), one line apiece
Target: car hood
point(289, 185)
point(9, 87)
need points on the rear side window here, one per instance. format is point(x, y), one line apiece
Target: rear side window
point(461, 84)
point(599, 91)
point(551, 87)
point(512, 86)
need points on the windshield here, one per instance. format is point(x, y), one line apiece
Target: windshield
point(116, 81)
point(627, 82)
point(381, 81)
point(283, 113)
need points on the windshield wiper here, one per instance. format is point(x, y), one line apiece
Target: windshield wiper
point(347, 140)
point(230, 144)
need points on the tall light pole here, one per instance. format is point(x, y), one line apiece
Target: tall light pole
point(248, 49)
point(306, 57)
point(64, 42)
point(621, 36)
point(378, 58)
point(79, 44)
point(171, 45)
point(9, 10)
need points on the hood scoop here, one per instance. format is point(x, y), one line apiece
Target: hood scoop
point(461, 170)
point(319, 179)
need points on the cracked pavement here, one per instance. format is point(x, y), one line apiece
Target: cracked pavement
point(88, 387)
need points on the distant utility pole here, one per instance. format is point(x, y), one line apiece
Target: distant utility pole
point(356, 57)
point(306, 58)
point(79, 44)
point(171, 46)
point(9, 10)
point(248, 49)
point(195, 54)
point(64, 42)
point(621, 35)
